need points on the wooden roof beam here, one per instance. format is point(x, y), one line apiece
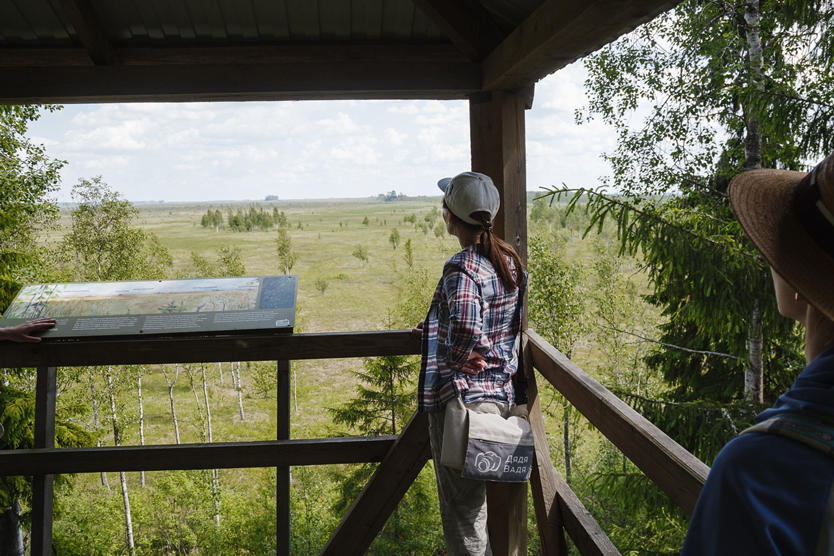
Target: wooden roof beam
point(83, 18)
point(467, 24)
point(232, 82)
point(559, 32)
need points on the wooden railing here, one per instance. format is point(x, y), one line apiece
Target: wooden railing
point(558, 509)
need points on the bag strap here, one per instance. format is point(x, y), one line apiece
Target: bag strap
point(812, 430)
point(520, 376)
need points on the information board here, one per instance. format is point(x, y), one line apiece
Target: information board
point(159, 306)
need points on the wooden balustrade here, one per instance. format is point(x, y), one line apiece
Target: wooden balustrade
point(197, 349)
point(672, 468)
point(680, 474)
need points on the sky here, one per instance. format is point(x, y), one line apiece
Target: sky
point(309, 149)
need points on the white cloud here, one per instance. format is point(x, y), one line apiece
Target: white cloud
point(204, 151)
point(100, 164)
point(407, 109)
point(127, 135)
point(395, 138)
point(342, 124)
point(363, 155)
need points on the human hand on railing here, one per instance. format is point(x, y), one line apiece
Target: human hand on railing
point(418, 329)
point(475, 364)
point(22, 332)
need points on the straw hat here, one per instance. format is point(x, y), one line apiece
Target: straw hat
point(789, 216)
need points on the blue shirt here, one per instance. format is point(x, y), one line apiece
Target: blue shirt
point(767, 495)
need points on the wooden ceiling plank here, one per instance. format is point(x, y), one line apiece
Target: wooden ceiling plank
point(331, 80)
point(559, 32)
point(273, 53)
point(83, 18)
point(466, 23)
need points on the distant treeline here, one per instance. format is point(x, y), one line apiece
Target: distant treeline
point(254, 218)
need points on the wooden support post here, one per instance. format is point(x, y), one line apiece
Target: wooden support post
point(42, 484)
point(543, 481)
point(496, 127)
point(384, 490)
point(496, 122)
point(507, 518)
point(282, 489)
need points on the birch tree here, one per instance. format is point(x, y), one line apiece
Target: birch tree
point(171, 382)
point(724, 88)
point(117, 441)
point(215, 476)
point(139, 371)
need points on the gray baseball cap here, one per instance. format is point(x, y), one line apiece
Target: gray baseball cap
point(470, 192)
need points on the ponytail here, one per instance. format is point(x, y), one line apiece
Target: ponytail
point(495, 249)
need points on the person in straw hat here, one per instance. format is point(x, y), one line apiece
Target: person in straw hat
point(770, 489)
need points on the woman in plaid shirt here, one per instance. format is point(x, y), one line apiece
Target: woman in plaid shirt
point(470, 345)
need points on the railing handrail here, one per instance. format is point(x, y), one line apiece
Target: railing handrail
point(680, 474)
point(217, 455)
point(209, 348)
point(670, 466)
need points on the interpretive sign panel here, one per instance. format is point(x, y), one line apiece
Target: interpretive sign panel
point(159, 306)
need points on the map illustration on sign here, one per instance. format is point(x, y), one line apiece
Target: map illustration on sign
point(159, 306)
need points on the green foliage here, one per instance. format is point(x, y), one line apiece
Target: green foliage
point(394, 238)
point(103, 245)
point(286, 256)
point(556, 300)
point(387, 402)
point(409, 254)
point(712, 110)
point(366, 222)
point(321, 284)
point(254, 218)
point(313, 518)
point(544, 211)
point(17, 414)
point(361, 253)
point(212, 219)
point(28, 177)
point(383, 405)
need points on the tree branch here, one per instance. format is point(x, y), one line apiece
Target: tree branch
point(673, 346)
point(557, 192)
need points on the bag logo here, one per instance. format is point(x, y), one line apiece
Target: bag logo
point(487, 461)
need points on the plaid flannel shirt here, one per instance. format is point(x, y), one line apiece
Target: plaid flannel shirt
point(470, 310)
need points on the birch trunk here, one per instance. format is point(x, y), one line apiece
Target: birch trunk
point(754, 372)
point(141, 422)
point(96, 424)
point(190, 372)
point(215, 476)
point(753, 142)
point(220, 369)
point(294, 387)
point(11, 536)
point(171, 385)
point(122, 475)
point(239, 393)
